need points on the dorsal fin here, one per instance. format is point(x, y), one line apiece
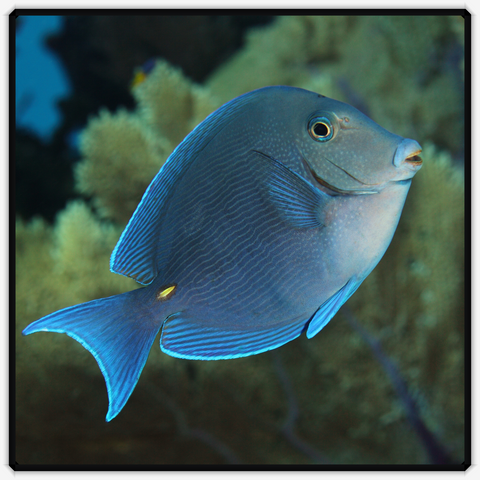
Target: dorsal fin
point(136, 254)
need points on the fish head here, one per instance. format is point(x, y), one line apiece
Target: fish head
point(348, 152)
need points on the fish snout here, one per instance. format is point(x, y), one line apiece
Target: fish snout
point(407, 155)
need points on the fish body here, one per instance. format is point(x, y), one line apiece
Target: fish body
point(260, 225)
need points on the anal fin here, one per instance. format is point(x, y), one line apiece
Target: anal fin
point(185, 337)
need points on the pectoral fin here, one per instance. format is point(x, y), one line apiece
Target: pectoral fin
point(296, 200)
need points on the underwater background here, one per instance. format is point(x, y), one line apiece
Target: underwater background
point(136, 85)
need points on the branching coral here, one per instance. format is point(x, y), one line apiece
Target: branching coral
point(170, 104)
point(123, 151)
point(121, 157)
point(68, 264)
point(271, 57)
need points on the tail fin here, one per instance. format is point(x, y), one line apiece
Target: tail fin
point(115, 331)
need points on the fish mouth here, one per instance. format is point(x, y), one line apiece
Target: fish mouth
point(413, 159)
point(407, 154)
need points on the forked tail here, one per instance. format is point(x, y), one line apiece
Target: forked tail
point(116, 331)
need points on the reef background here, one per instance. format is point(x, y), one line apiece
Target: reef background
point(324, 400)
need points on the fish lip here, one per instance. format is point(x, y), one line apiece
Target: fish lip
point(413, 159)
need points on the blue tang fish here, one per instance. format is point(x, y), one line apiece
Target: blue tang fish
point(260, 226)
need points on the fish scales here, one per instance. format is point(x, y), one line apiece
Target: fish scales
point(259, 227)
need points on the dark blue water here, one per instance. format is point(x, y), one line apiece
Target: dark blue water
point(40, 78)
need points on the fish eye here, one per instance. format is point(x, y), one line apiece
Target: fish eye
point(320, 129)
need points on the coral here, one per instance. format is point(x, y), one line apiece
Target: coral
point(121, 157)
point(321, 400)
point(171, 104)
point(49, 258)
point(273, 59)
point(123, 151)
